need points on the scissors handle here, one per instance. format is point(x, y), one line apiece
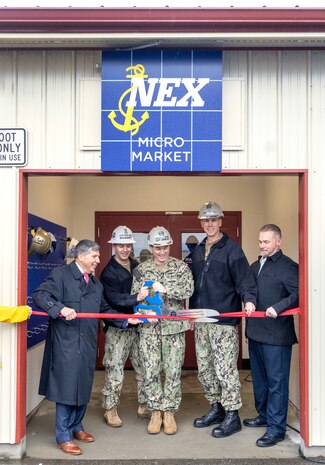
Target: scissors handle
point(154, 303)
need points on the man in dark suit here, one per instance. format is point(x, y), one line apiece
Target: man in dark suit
point(270, 339)
point(70, 349)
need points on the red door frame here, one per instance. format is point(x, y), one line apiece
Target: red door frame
point(303, 282)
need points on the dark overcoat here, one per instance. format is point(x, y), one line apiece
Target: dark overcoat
point(278, 288)
point(70, 348)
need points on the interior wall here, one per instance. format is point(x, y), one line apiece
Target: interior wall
point(169, 193)
point(281, 207)
point(52, 198)
point(34, 363)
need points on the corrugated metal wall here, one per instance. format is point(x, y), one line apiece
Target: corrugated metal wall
point(282, 113)
point(42, 91)
point(315, 161)
point(8, 294)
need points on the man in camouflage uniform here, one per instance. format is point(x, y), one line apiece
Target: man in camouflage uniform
point(223, 280)
point(162, 342)
point(120, 344)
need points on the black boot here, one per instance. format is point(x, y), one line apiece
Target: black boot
point(214, 416)
point(230, 425)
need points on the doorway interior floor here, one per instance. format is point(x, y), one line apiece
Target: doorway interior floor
point(132, 442)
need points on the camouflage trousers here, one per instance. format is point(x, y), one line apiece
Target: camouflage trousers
point(162, 355)
point(119, 345)
point(217, 349)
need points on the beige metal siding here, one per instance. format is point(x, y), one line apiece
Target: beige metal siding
point(277, 110)
point(60, 93)
point(49, 92)
point(283, 125)
point(8, 293)
point(46, 93)
point(30, 102)
point(316, 165)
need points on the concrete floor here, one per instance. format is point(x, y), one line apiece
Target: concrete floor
point(132, 442)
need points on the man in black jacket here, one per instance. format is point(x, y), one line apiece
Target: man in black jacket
point(270, 339)
point(120, 344)
point(71, 343)
point(223, 280)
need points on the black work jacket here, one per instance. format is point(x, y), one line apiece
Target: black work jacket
point(70, 348)
point(278, 288)
point(224, 280)
point(117, 282)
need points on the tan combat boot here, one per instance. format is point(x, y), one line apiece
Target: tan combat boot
point(155, 422)
point(170, 426)
point(143, 411)
point(112, 419)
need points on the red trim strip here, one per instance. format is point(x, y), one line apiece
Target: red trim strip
point(68, 172)
point(83, 20)
point(22, 299)
point(303, 302)
point(303, 278)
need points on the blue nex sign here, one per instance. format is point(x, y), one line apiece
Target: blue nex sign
point(161, 111)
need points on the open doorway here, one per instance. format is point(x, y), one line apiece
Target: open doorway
point(75, 198)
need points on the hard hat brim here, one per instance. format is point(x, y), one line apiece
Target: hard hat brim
point(160, 244)
point(205, 217)
point(131, 241)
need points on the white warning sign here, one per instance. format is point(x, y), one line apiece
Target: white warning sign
point(12, 147)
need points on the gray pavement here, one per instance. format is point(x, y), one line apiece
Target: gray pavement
point(131, 444)
point(273, 461)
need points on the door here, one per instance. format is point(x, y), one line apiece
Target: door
point(185, 230)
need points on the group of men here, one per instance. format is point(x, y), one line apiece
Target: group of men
point(220, 278)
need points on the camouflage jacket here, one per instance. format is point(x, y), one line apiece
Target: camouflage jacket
point(177, 278)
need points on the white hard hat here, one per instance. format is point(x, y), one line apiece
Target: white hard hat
point(71, 245)
point(122, 235)
point(159, 236)
point(210, 210)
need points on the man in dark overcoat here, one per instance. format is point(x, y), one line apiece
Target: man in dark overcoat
point(70, 349)
point(270, 339)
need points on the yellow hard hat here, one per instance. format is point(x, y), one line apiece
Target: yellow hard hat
point(41, 242)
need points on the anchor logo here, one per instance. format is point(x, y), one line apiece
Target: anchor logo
point(130, 122)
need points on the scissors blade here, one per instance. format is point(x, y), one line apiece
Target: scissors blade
point(192, 312)
point(206, 319)
point(198, 312)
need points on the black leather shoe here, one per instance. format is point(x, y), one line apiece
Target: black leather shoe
point(255, 422)
point(230, 425)
point(267, 440)
point(214, 416)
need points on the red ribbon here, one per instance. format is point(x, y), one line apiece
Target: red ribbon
point(257, 314)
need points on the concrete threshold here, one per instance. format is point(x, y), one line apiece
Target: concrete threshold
point(131, 444)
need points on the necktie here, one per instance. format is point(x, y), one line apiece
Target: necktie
point(86, 276)
point(262, 261)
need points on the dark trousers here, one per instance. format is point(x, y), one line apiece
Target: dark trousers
point(270, 366)
point(68, 421)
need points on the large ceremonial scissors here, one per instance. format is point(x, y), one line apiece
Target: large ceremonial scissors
point(156, 305)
